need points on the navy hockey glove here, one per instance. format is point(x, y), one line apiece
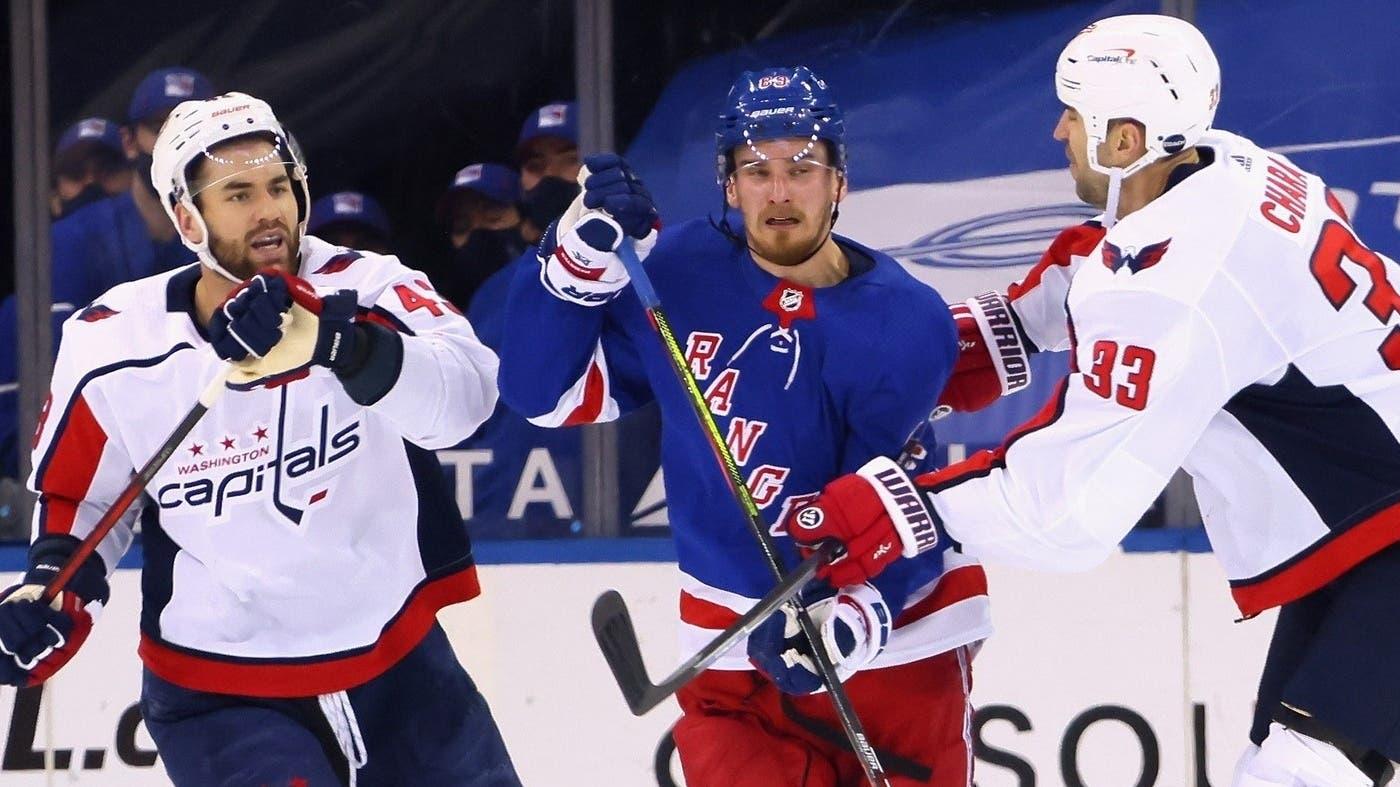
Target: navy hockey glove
point(249, 323)
point(37, 639)
point(323, 332)
point(612, 187)
point(855, 626)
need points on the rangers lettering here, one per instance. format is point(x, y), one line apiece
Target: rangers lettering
point(700, 349)
point(920, 524)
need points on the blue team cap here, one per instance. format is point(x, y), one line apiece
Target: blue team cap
point(162, 90)
point(348, 207)
point(99, 132)
point(492, 181)
point(551, 120)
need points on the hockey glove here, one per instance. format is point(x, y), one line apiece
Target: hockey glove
point(855, 626)
point(877, 513)
point(249, 323)
point(993, 357)
point(612, 187)
point(578, 254)
point(37, 639)
point(322, 332)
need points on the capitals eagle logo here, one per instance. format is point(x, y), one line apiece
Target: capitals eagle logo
point(1136, 260)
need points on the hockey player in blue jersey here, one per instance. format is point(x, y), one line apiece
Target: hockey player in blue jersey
point(301, 540)
point(815, 354)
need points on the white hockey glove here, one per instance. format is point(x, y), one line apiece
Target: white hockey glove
point(855, 626)
point(578, 254)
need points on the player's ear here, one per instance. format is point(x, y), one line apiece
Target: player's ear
point(731, 195)
point(840, 190)
point(186, 224)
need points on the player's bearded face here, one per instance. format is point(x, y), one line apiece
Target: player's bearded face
point(1091, 187)
point(247, 201)
point(786, 203)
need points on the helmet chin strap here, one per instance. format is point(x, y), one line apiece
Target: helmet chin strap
point(1116, 176)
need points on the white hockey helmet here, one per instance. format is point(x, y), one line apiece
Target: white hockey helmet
point(192, 129)
point(1157, 70)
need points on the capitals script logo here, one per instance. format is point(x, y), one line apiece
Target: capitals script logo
point(263, 467)
point(1136, 260)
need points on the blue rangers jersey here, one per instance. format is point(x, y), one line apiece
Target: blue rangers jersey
point(806, 384)
point(297, 543)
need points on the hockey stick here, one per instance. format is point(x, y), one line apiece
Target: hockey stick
point(612, 625)
point(137, 485)
point(850, 723)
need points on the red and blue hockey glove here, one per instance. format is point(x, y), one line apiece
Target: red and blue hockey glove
point(993, 356)
point(877, 513)
point(612, 187)
point(249, 323)
point(855, 626)
point(37, 639)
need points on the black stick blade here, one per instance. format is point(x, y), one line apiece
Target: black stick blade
point(612, 627)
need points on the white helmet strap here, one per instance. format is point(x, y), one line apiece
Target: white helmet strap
point(1116, 175)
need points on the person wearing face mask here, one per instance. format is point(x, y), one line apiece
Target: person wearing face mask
point(482, 214)
point(89, 164)
point(128, 236)
point(107, 241)
point(547, 154)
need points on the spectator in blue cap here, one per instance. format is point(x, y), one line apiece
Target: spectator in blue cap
point(128, 236)
point(351, 219)
point(547, 153)
point(482, 214)
point(88, 165)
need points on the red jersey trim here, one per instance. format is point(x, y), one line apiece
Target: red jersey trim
point(957, 585)
point(1326, 560)
point(72, 465)
point(594, 392)
point(983, 462)
point(274, 678)
point(1078, 240)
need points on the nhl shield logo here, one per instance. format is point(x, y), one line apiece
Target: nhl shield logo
point(790, 300)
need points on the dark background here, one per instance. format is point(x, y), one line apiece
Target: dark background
point(393, 97)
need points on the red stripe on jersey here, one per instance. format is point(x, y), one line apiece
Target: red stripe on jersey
point(269, 678)
point(982, 462)
point(71, 466)
point(1338, 553)
point(960, 584)
point(594, 392)
point(705, 614)
point(1076, 241)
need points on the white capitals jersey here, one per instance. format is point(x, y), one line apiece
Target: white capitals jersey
point(296, 543)
point(1234, 327)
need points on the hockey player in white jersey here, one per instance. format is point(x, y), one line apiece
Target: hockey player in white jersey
point(301, 540)
point(1223, 317)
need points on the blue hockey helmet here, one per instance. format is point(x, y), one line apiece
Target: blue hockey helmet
point(776, 103)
